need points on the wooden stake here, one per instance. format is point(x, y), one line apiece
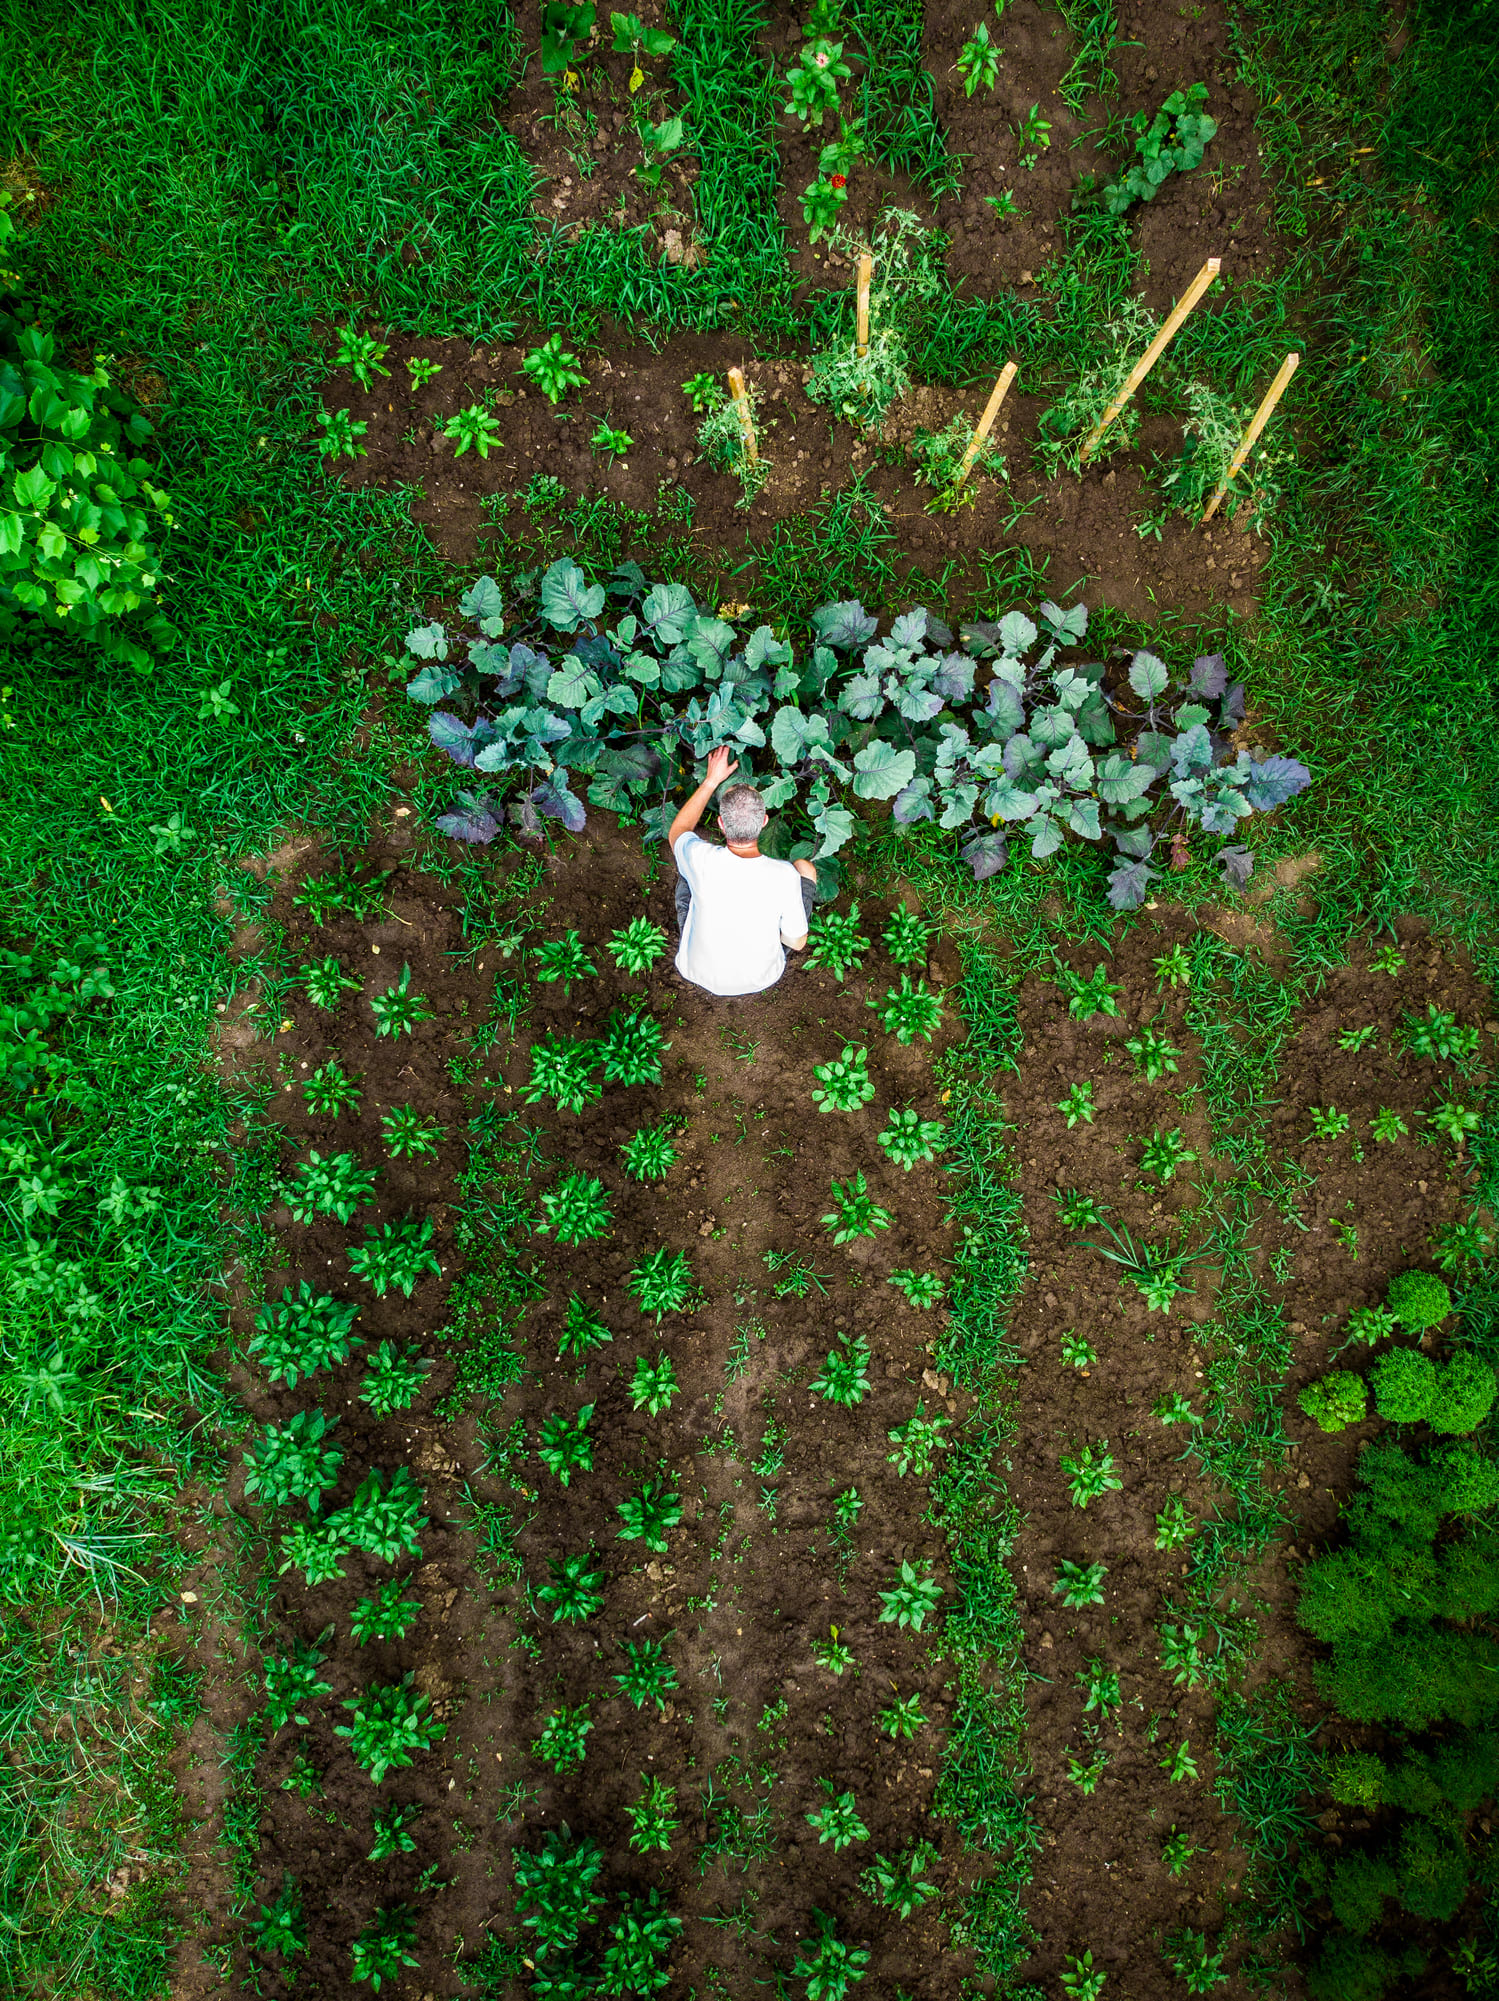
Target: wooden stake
point(861, 320)
point(1257, 424)
point(1151, 355)
point(985, 423)
point(740, 399)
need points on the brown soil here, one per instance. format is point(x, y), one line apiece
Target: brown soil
point(742, 1594)
point(1100, 1880)
point(1080, 531)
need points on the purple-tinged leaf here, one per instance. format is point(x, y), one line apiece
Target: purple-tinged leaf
point(534, 667)
point(555, 800)
point(1209, 675)
point(985, 854)
point(455, 737)
point(953, 680)
point(1128, 882)
point(980, 637)
point(525, 819)
point(909, 630)
point(1237, 865)
point(914, 803)
point(1231, 712)
point(1192, 753)
point(843, 625)
point(937, 633)
point(1136, 842)
point(1153, 747)
point(1274, 780)
point(473, 819)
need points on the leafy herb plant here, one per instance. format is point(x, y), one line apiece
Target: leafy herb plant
point(844, 1377)
point(856, 1214)
point(398, 1010)
point(921, 1289)
point(649, 1153)
point(328, 1091)
point(836, 942)
point(553, 369)
point(576, 1210)
point(393, 1380)
point(844, 1083)
point(909, 1011)
point(637, 947)
point(662, 1282)
point(397, 1254)
point(909, 1138)
point(389, 1725)
point(301, 1333)
point(408, 1135)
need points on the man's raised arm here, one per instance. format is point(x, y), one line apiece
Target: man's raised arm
point(720, 767)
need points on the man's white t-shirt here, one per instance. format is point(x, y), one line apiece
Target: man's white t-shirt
point(744, 909)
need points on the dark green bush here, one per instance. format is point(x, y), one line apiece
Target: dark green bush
point(1350, 1969)
point(1418, 1300)
point(1335, 1401)
point(1464, 1396)
point(1357, 1778)
point(1433, 1870)
point(1360, 1884)
point(1415, 1678)
point(1405, 1382)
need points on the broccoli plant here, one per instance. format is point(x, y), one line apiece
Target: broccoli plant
point(631, 1047)
point(857, 1214)
point(832, 1966)
point(281, 1928)
point(572, 1591)
point(291, 1681)
point(837, 1819)
point(389, 1724)
point(291, 1462)
point(652, 1817)
point(562, 1068)
point(909, 1138)
point(335, 1187)
point(662, 1282)
point(383, 1948)
point(637, 947)
point(398, 1010)
point(844, 1083)
point(576, 1210)
point(397, 1254)
point(916, 1441)
point(408, 1135)
point(844, 1377)
point(565, 1447)
point(301, 1333)
point(911, 1600)
point(921, 1289)
point(328, 1091)
point(835, 942)
point(649, 1153)
point(566, 959)
point(394, 1379)
point(392, 1831)
point(908, 1011)
point(383, 1518)
point(1091, 1473)
point(647, 1676)
point(1154, 1052)
point(647, 1515)
point(553, 369)
point(1079, 1585)
point(904, 1717)
point(386, 1616)
point(906, 937)
point(582, 1330)
point(1164, 1154)
point(653, 1385)
point(325, 982)
point(563, 1743)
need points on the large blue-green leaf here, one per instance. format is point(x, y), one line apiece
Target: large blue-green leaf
point(1047, 837)
point(915, 703)
point(1119, 780)
point(880, 770)
point(1148, 676)
point(428, 642)
point(1153, 747)
point(568, 600)
point(1274, 780)
point(836, 825)
point(679, 672)
point(711, 642)
point(1016, 632)
point(482, 602)
point(792, 733)
point(1128, 882)
point(572, 684)
point(953, 680)
point(1071, 765)
point(909, 630)
point(1082, 818)
point(777, 791)
point(432, 684)
point(1005, 800)
point(1192, 753)
point(763, 649)
point(843, 625)
point(1051, 727)
point(914, 803)
point(860, 696)
point(958, 802)
point(1068, 626)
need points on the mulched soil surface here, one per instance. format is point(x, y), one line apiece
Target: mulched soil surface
point(741, 1595)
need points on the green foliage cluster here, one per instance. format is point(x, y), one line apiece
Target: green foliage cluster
point(1405, 1606)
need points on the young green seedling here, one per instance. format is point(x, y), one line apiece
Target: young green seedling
point(398, 1010)
point(631, 1047)
point(291, 1462)
point(383, 1948)
point(566, 959)
point(472, 429)
point(1085, 1773)
point(844, 1378)
point(647, 1515)
point(911, 1600)
point(553, 369)
point(1389, 959)
point(563, 1743)
point(638, 946)
point(1355, 1039)
point(857, 1213)
point(297, 1335)
point(903, 1718)
point(391, 1832)
point(341, 435)
point(921, 1289)
point(906, 937)
point(383, 1519)
point(901, 1885)
point(909, 1138)
point(1078, 1351)
point(386, 1616)
point(915, 1441)
point(1095, 995)
point(565, 1446)
point(1164, 1153)
point(649, 1153)
point(606, 439)
point(1091, 1474)
point(582, 1330)
point(394, 1379)
point(1181, 1656)
point(908, 1011)
point(408, 1135)
point(1181, 1764)
point(281, 1928)
point(361, 354)
point(647, 1676)
point(389, 1724)
point(397, 1254)
point(1174, 1525)
point(325, 983)
point(1078, 1104)
point(832, 1654)
point(1079, 1584)
point(844, 1083)
point(1388, 1126)
point(575, 1211)
point(978, 61)
point(662, 1282)
point(837, 1820)
point(289, 1683)
point(1100, 1685)
point(1081, 1980)
point(653, 1385)
point(1077, 1211)
point(334, 1187)
point(1154, 1053)
point(1173, 969)
point(1328, 1122)
point(562, 1069)
point(836, 942)
point(652, 1819)
point(572, 1590)
point(1177, 1852)
point(421, 370)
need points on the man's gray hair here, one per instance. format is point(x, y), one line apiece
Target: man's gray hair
point(741, 812)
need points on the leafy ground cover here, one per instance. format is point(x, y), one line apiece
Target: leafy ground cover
point(210, 224)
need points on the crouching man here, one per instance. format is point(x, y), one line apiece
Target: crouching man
point(738, 911)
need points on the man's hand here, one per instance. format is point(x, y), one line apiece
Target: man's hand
point(721, 765)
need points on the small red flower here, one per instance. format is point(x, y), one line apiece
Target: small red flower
point(838, 181)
